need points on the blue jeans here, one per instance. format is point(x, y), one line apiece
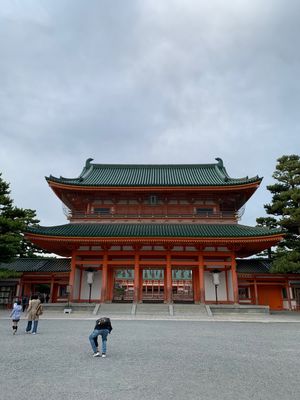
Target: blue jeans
point(35, 325)
point(93, 337)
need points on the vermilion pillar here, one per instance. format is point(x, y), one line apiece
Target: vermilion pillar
point(141, 284)
point(255, 292)
point(201, 278)
point(104, 279)
point(72, 276)
point(51, 289)
point(234, 280)
point(136, 297)
point(80, 284)
point(110, 284)
point(288, 294)
point(195, 275)
point(168, 280)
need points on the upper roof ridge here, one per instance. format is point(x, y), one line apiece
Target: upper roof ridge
point(152, 165)
point(213, 174)
point(88, 164)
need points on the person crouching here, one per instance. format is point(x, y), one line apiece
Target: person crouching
point(102, 328)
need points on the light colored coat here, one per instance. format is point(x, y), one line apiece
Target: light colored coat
point(16, 312)
point(32, 309)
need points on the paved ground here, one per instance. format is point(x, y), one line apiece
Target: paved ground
point(152, 360)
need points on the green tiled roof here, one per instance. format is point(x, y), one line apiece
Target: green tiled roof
point(111, 175)
point(253, 265)
point(38, 265)
point(153, 230)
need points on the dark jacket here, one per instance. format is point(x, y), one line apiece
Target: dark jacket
point(103, 323)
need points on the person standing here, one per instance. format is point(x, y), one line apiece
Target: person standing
point(24, 303)
point(102, 328)
point(34, 310)
point(16, 315)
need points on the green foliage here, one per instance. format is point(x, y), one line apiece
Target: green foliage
point(287, 262)
point(7, 274)
point(13, 222)
point(285, 207)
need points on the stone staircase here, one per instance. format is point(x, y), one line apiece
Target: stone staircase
point(75, 307)
point(115, 309)
point(130, 309)
point(159, 309)
point(150, 310)
point(190, 310)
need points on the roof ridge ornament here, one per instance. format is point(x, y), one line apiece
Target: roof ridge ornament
point(88, 163)
point(220, 169)
point(86, 169)
point(220, 162)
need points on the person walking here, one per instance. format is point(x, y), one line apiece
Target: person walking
point(34, 310)
point(16, 315)
point(102, 328)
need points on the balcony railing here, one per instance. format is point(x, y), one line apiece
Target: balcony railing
point(115, 216)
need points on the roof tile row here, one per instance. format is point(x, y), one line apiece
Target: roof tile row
point(153, 175)
point(252, 265)
point(153, 230)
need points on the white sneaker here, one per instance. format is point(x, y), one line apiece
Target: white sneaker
point(96, 354)
point(103, 355)
point(34, 333)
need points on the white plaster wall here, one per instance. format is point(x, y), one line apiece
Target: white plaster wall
point(210, 294)
point(285, 304)
point(18, 291)
point(96, 286)
point(76, 284)
point(293, 304)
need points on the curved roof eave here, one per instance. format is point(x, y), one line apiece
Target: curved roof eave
point(152, 175)
point(242, 185)
point(166, 231)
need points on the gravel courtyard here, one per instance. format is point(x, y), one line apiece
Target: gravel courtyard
point(152, 360)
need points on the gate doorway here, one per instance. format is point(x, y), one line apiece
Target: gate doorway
point(123, 285)
point(153, 286)
point(42, 290)
point(182, 286)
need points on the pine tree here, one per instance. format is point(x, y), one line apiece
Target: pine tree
point(13, 222)
point(285, 207)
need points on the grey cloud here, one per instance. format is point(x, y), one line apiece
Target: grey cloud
point(145, 81)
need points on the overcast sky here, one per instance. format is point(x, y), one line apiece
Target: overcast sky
point(145, 82)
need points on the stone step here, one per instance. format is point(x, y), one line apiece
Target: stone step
point(152, 309)
point(115, 309)
point(75, 307)
point(218, 309)
point(189, 309)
